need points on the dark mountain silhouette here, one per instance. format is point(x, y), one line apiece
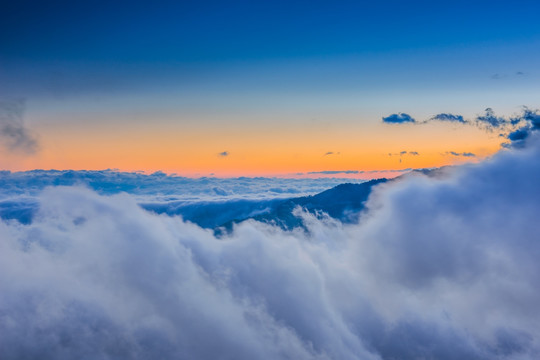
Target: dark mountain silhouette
point(342, 202)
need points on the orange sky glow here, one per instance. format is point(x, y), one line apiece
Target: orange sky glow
point(258, 149)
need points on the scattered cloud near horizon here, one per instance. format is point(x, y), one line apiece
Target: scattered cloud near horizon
point(334, 172)
point(223, 154)
point(514, 128)
point(337, 172)
point(463, 154)
point(404, 152)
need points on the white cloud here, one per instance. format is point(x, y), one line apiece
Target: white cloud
point(160, 187)
point(440, 267)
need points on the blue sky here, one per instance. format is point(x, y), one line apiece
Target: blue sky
point(115, 42)
point(172, 32)
point(240, 66)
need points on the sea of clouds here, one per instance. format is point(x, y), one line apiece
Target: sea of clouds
point(439, 267)
point(160, 186)
point(207, 201)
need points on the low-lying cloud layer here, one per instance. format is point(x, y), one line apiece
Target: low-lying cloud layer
point(440, 267)
point(161, 187)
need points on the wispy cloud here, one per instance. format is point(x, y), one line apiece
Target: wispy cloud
point(490, 120)
point(223, 154)
point(404, 153)
point(499, 76)
point(402, 118)
point(331, 153)
point(448, 117)
point(461, 154)
point(527, 123)
point(13, 134)
point(334, 172)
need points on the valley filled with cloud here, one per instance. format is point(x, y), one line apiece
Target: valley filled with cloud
point(245, 180)
point(435, 265)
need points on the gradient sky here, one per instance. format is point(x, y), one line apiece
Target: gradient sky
point(262, 88)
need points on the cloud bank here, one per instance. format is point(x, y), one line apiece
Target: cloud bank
point(161, 187)
point(441, 267)
point(209, 202)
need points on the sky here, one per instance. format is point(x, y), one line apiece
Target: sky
point(292, 89)
point(183, 133)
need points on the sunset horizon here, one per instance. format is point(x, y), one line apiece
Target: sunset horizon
point(268, 180)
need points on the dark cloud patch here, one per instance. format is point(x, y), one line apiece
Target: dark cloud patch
point(525, 124)
point(399, 118)
point(462, 154)
point(334, 172)
point(448, 117)
point(532, 117)
point(518, 135)
point(490, 121)
point(404, 152)
point(13, 134)
point(331, 153)
point(223, 154)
